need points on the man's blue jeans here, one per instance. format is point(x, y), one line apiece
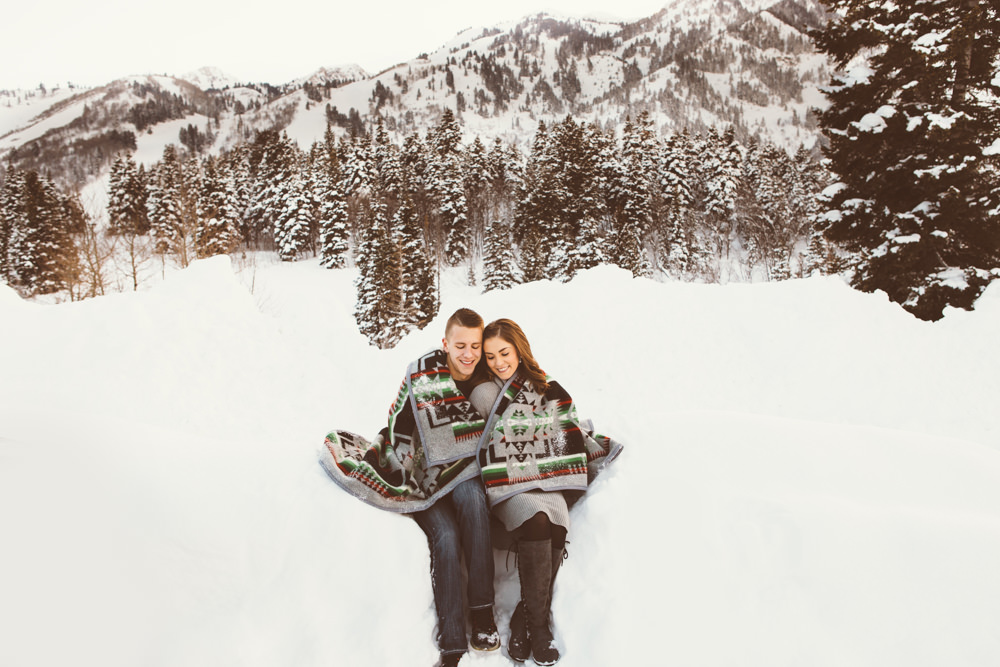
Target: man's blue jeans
point(459, 525)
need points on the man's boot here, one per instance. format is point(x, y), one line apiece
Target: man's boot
point(485, 636)
point(535, 572)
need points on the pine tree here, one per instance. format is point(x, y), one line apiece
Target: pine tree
point(476, 181)
point(913, 127)
point(576, 153)
point(379, 307)
point(536, 224)
point(445, 170)
point(274, 161)
point(164, 202)
point(454, 213)
point(333, 226)
point(217, 229)
point(498, 258)
point(418, 180)
point(10, 224)
point(189, 185)
point(676, 184)
point(118, 202)
point(446, 137)
point(503, 172)
point(635, 216)
point(419, 299)
point(292, 225)
point(240, 185)
point(43, 256)
point(127, 195)
point(359, 169)
point(723, 169)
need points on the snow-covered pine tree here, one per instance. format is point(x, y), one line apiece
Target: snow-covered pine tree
point(419, 298)
point(189, 185)
point(43, 255)
point(446, 136)
point(767, 225)
point(723, 174)
point(476, 181)
point(359, 168)
point(164, 201)
point(418, 180)
point(503, 168)
point(119, 205)
point(454, 212)
point(806, 181)
point(388, 168)
point(635, 216)
point(498, 258)
point(127, 196)
point(294, 221)
point(216, 231)
point(333, 225)
point(914, 140)
point(378, 308)
point(445, 170)
point(581, 204)
point(10, 224)
point(239, 186)
point(273, 160)
point(537, 208)
point(560, 174)
point(675, 249)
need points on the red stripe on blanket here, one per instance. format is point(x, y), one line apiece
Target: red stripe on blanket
point(579, 470)
point(438, 401)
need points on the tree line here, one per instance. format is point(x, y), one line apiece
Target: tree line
point(693, 207)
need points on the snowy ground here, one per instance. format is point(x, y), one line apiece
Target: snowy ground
point(812, 477)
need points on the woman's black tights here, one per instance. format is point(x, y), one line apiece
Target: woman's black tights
point(539, 527)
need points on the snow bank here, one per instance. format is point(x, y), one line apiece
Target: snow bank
point(812, 476)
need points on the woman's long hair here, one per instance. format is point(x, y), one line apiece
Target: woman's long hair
point(509, 331)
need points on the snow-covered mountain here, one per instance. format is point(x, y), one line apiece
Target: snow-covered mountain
point(694, 64)
point(207, 78)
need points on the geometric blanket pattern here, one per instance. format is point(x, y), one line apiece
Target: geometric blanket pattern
point(536, 441)
point(428, 447)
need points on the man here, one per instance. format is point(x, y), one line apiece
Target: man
point(424, 464)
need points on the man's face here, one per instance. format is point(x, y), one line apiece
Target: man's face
point(464, 346)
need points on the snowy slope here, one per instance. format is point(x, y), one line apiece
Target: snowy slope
point(812, 476)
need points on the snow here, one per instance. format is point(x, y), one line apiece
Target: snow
point(211, 77)
point(351, 72)
point(875, 122)
point(811, 476)
point(932, 43)
point(19, 107)
point(953, 277)
point(39, 117)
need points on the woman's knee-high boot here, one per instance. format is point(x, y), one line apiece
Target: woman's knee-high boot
point(535, 568)
point(519, 645)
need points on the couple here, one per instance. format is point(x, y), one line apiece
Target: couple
point(477, 427)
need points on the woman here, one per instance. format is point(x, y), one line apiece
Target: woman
point(536, 450)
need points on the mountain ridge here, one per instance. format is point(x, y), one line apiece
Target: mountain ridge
point(694, 65)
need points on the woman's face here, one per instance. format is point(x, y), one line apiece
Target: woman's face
point(501, 357)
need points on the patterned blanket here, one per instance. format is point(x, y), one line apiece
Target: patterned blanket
point(428, 447)
point(536, 441)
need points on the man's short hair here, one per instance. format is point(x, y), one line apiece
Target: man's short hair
point(464, 317)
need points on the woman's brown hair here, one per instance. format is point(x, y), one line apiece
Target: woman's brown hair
point(508, 330)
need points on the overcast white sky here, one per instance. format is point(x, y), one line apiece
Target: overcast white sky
point(92, 43)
